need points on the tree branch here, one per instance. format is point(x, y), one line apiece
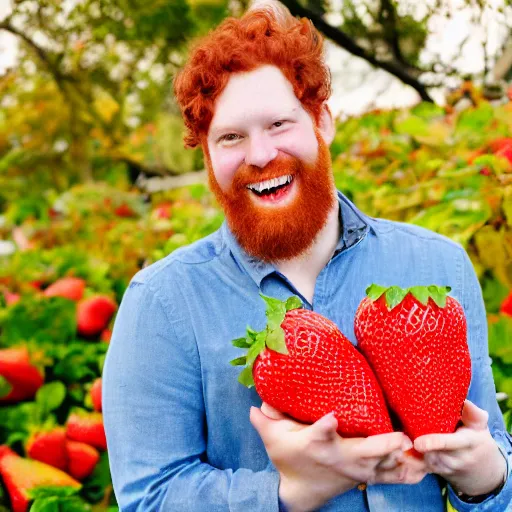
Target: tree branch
point(348, 44)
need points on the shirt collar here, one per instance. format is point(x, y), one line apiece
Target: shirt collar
point(354, 226)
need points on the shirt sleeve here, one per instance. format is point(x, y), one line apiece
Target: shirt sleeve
point(482, 391)
point(154, 417)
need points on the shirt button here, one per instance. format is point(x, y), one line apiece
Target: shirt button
point(362, 487)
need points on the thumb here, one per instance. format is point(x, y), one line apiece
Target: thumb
point(259, 421)
point(272, 412)
point(324, 429)
point(474, 417)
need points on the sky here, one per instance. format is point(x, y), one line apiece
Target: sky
point(356, 85)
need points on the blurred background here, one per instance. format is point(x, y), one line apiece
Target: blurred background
point(95, 184)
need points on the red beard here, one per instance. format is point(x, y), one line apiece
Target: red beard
point(279, 233)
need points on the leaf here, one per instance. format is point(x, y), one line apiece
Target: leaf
point(256, 348)
point(374, 291)
point(276, 311)
point(395, 295)
point(420, 293)
point(293, 302)
point(5, 387)
point(438, 294)
point(242, 342)
point(50, 396)
point(246, 377)
point(50, 504)
point(52, 491)
point(239, 361)
point(276, 341)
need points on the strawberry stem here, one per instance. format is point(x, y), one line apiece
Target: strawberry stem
point(394, 295)
point(272, 337)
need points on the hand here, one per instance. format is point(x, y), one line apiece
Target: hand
point(469, 459)
point(315, 463)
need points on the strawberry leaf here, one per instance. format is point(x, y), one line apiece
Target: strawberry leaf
point(5, 387)
point(242, 342)
point(50, 396)
point(438, 294)
point(275, 341)
point(255, 349)
point(239, 361)
point(246, 377)
point(276, 310)
point(420, 293)
point(395, 295)
point(293, 302)
point(374, 291)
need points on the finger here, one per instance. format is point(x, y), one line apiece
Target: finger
point(474, 417)
point(272, 412)
point(383, 444)
point(460, 440)
point(391, 461)
point(324, 429)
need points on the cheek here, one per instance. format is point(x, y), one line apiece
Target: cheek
point(301, 144)
point(225, 165)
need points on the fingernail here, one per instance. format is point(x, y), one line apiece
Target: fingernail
point(407, 445)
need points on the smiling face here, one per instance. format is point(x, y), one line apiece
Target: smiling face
point(269, 165)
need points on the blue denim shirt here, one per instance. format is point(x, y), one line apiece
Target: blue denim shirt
point(176, 419)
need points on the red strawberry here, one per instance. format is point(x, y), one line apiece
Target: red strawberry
point(106, 334)
point(22, 475)
point(506, 152)
point(506, 305)
point(415, 341)
point(162, 211)
point(500, 143)
point(82, 459)
point(17, 369)
point(96, 394)
point(71, 288)
point(302, 365)
point(11, 298)
point(94, 314)
point(87, 427)
point(49, 447)
point(124, 210)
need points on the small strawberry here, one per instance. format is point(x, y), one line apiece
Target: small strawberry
point(124, 210)
point(506, 305)
point(106, 334)
point(94, 314)
point(82, 459)
point(415, 341)
point(87, 427)
point(96, 394)
point(23, 475)
point(49, 447)
point(71, 288)
point(23, 377)
point(302, 365)
point(162, 211)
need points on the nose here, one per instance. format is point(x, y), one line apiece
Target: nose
point(261, 151)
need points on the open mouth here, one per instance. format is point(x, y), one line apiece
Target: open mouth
point(273, 189)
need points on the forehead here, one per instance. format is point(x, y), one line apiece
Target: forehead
point(247, 95)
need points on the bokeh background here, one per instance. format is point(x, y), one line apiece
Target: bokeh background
point(95, 184)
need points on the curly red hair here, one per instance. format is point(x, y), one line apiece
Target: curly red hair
point(237, 45)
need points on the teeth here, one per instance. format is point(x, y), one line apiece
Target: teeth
point(268, 184)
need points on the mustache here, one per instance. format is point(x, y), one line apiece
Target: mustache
point(247, 175)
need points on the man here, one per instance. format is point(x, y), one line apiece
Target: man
point(182, 433)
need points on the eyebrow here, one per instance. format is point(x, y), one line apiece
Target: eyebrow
point(218, 130)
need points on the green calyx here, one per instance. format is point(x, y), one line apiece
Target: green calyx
point(271, 337)
point(395, 295)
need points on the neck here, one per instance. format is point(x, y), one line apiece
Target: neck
point(309, 264)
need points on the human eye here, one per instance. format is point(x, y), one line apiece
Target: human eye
point(278, 124)
point(229, 138)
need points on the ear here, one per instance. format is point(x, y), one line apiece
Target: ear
point(326, 125)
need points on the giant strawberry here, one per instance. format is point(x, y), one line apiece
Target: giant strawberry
point(415, 341)
point(302, 365)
